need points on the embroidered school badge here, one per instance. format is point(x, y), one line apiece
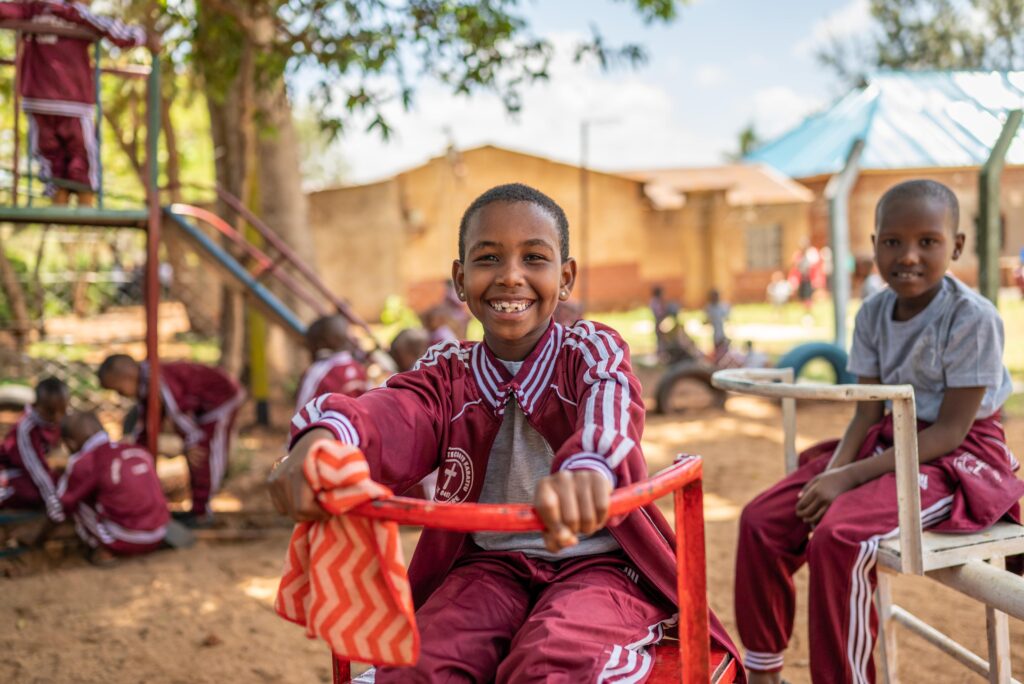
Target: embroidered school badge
point(455, 478)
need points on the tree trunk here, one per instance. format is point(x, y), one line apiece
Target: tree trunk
point(231, 103)
point(15, 295)
point(284, 207)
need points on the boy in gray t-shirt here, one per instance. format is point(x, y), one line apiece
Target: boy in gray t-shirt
point(927, 330)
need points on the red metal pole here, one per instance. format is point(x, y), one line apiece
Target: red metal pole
point(691, 583)
point(342, 670)
point(152, 288)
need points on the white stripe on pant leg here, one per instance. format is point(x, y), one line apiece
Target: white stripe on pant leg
point(218, 454)
point(859, 642)
point(91, 150)
point(645, 662)
point(762, 661)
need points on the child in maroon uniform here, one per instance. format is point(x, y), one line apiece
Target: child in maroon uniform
point(58, 92)
point(334, 368)
point(26, 480)
point(927, 330)
point(111, 489)
point(201, 401)
point(537, 413)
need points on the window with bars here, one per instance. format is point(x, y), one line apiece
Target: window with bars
point(764, 248)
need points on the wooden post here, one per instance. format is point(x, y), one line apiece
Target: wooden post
point(989, 223)
point(908, 491)
point(789, 424)
point(887, 630)
point(998, 630)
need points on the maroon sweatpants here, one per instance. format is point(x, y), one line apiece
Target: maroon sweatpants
point(65, 148)
point(505, 617)
point(964, 491)
point(206, 472)
point(774, 543)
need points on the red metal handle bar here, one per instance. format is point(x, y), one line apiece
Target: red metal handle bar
point(470, 517)
point(264, 261)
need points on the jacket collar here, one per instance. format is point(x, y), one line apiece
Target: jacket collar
point(496, 384)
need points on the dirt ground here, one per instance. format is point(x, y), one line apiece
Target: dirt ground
point(204, 615)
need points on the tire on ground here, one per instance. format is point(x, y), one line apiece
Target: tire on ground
point(799, 356)
point(679, 372)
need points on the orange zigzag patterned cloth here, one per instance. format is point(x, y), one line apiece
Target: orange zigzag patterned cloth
point(344, 578)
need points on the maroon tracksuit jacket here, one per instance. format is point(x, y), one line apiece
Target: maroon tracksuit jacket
point(58, 88)
point(202, 402)
point(339, 373)
point(576, 389)
point(26, 480)
point(114, 493)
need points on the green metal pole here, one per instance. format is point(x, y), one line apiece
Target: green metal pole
point(837, 192)
point(989, 224)
point(152, 416)
point(99, 126)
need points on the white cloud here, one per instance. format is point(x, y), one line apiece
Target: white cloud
point(779, 108)
point(852, 20)
point(639, 126)
point(710, 75)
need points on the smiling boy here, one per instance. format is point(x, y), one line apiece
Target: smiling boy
point(927, 330)
point(537, 413)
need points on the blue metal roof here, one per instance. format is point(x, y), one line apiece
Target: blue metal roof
point(908, 119)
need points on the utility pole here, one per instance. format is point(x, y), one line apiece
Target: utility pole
point(584, 248)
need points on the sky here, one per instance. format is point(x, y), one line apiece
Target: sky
point(721, 65)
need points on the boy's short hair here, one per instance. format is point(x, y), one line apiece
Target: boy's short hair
point(78, 421)
point(113, 363)
point(50, 387)
point(517, 192)
point(916, 189)
point(319, 331)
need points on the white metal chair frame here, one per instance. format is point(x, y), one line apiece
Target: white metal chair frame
point(972, 564)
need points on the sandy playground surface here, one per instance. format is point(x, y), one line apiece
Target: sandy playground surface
point(204, 615)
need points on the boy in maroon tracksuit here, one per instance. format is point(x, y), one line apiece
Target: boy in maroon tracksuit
point(201, 401)
point(334, 368)
point(927, 330)
point(58, 92)
point(111, 489)
point(536, 413)
point(26, 480)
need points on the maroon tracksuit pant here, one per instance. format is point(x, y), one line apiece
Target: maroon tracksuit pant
point(206, 472)
point(968, 489)
point(505, 617)
point(65, 148)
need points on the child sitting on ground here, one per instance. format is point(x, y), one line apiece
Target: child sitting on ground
point(26, 480)
point(409, 345)
point(927, 330)
point(334, 367)
point(201, 401)
point(537, 413)
point(112, 490)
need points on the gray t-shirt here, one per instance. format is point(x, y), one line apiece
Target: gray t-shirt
point(956, 341)
point(520, 457)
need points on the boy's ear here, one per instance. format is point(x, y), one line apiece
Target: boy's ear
point(459, 278)
point(568, 279)
point(958, 245)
